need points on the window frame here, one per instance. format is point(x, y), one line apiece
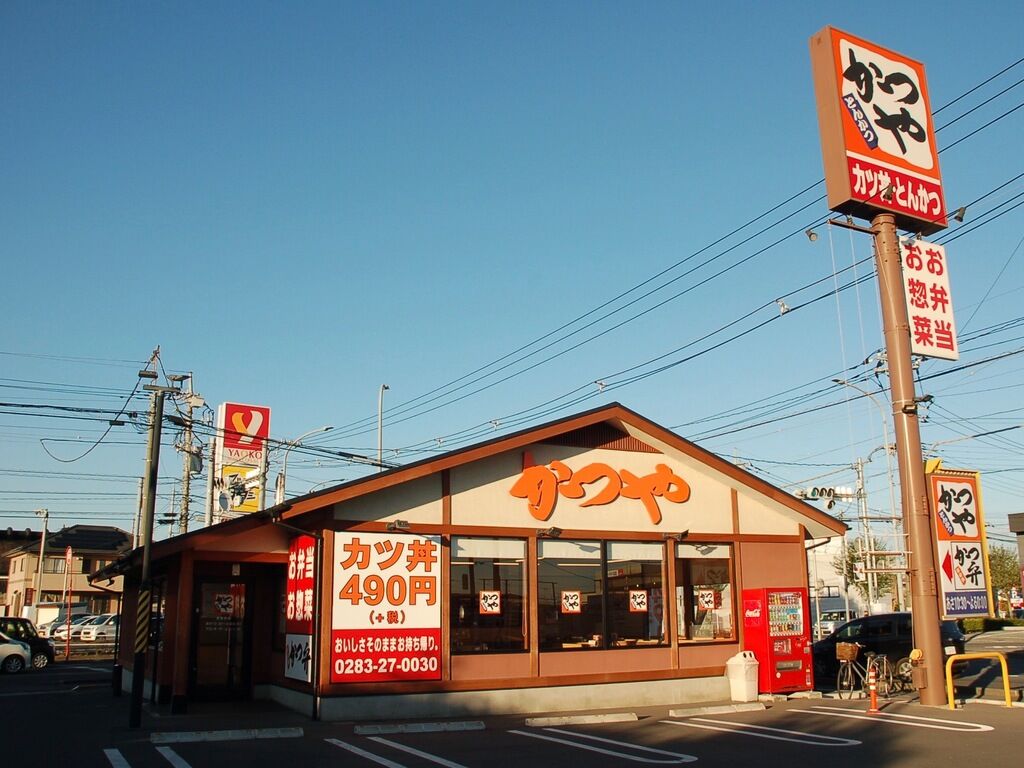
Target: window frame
point(472, 640)
point(684, 624)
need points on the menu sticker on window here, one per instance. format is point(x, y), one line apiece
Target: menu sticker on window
point(572, 601)
point(490, 602)
point(638, 601)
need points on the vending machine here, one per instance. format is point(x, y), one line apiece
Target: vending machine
point(777, 628)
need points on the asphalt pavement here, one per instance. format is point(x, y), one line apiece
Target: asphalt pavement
point(68, 715)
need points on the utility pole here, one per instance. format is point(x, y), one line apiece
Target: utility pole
point(913, 485)
point(866, 542)
point(211, 476)
point(380, 428)
point(39, 565)
point(142, 614)
point(186, 472)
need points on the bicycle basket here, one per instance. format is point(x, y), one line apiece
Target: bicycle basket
point(847, 651)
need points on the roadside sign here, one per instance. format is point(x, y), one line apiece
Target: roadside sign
point(877, 132)
point(929, 299)
point(962, 551)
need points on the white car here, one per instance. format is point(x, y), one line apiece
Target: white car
point(102, 630)
point(60, 632)
point(15, 655)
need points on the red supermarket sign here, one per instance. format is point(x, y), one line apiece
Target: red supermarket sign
point(386, 608)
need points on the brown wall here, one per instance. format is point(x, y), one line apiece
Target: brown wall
point(772, 565)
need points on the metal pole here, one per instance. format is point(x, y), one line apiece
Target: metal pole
point(282, 477)
point(142, 615)
point(380, 428)
point(186, 472)
point(211, 475)
point(867, 544)
point(916, 517)
point(898, 536)
point(39, 565)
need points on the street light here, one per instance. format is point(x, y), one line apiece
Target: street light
point(282, 476)
point(380, 428)
point(888, 473)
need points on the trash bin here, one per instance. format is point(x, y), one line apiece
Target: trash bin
point(741, 670)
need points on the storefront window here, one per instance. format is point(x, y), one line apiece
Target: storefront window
point(570, 599)
point(636, 603)
point(704, 592)
point(488, 595)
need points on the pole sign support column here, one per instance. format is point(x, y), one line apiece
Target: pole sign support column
point(881, 163)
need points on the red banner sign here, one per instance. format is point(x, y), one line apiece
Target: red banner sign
point(299, 605)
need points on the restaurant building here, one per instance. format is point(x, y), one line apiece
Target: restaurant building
point(594, 561)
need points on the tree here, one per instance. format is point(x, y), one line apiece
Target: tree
point(1004, 569)
point(855, 560)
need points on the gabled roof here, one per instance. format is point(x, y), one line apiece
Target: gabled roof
point(83, 539)
point(617, 416)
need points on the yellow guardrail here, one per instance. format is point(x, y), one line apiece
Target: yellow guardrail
point(967, 657)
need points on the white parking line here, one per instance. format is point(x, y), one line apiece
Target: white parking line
point(116, 758)
point(418, 753)
point(363, 753)
point(893, 718)
point(675, 756)
point(33, 693)
point(763, 732)
point(173, 757)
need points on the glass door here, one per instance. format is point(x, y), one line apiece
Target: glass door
point(220, 654)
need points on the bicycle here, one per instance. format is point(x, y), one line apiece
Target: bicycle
point(852, 676)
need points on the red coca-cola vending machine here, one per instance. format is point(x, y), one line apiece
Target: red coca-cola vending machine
point(777, 628)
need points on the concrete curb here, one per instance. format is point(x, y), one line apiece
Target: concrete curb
point(717, 710)
point(235, 734)
point(378, 730)
point(620, 717)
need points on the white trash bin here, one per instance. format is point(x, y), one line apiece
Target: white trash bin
point(741, 670)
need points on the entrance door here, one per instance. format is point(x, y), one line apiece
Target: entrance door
point(221, 649)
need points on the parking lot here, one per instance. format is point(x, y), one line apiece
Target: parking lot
point(68, 713)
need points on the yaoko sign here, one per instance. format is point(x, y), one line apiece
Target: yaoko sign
point(877, 134)
point(960, 539)
point(243, 431)
point(386, 617)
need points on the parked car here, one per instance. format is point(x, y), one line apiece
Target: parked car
point(60, 631)
point(77, 629)
point(102, 630)
point(830, 620)
point(41, 649)
point(887, 633)
point(15, 655)
point(46, 629)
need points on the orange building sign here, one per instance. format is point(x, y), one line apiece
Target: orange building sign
point(877, 132)
point(541, 485)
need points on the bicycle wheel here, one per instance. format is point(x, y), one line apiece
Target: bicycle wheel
point(901, 674)
point(845, 680)
point(884, 682)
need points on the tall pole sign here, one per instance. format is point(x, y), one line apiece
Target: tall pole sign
point(881, 163)
point(877, 135)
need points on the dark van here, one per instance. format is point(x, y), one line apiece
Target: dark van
point(886, 633)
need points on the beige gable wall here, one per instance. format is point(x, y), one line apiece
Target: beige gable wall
point(761, 515)
point(481, 494)
point(417, 501)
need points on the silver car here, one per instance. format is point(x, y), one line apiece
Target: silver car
point(15, 655)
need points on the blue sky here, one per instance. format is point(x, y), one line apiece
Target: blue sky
point(300, 203)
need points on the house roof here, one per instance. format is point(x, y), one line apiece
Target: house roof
point(83, 539)
point(622, 419)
